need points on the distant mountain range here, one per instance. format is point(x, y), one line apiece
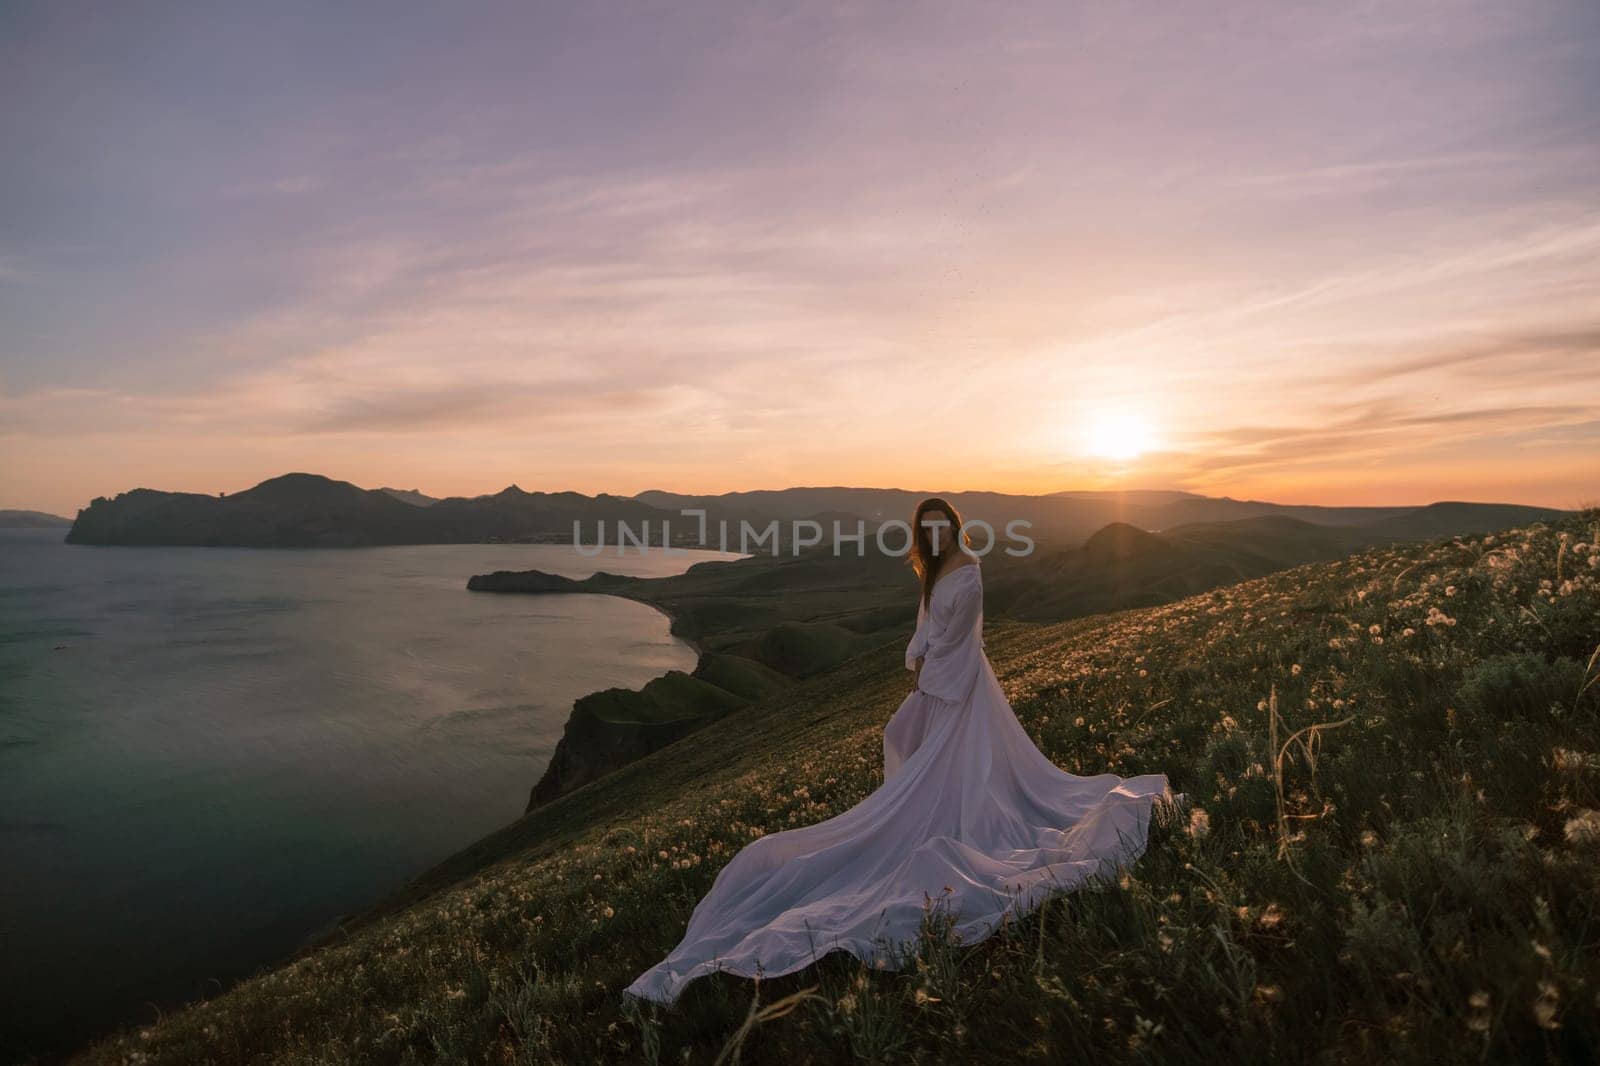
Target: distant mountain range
point(309, 510)
point(1070, 517)
point(32, 520)
point(411, 496)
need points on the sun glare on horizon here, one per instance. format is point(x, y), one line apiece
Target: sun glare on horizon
point(1118, 435)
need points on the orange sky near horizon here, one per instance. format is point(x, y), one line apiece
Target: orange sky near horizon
point(1509, 483)
point(1288, 253)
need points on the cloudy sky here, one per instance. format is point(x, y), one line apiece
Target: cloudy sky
point(1342, 253)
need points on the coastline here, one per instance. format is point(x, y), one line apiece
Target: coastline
point(674, 623)
point(609, 728)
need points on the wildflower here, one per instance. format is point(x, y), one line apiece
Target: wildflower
point(1408, 632)
point(1567, 761)
point(1295, 669)
point(1478, 1020)
point(1374, 629)
point(608, 912)
point(1583, 830)
point(1449, 590)
point(1261, 705)
point(1369, 839)
point(1199, 823)
point(1547, 1005)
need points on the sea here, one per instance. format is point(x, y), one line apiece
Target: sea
point(208, 755)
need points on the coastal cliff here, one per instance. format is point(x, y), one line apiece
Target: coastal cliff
point(755, 624)
point(614, 727)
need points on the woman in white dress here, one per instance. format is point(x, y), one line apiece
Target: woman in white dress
point(970, 813)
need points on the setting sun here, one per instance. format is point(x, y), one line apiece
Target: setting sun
point(1118, 435)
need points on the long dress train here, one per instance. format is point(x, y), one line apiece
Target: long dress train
point(970, 813)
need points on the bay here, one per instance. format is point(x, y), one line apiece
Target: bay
point(209, 754)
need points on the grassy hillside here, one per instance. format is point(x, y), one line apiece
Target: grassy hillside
point(799, 616)
point(672, 696)
point(1416, 880)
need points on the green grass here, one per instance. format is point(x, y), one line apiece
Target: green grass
point(741, 676)
point(671, 697)
point(1416, 879)
point(802, 649)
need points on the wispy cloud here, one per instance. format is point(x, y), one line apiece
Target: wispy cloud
point(727, 246)
point(1366, 175)
point(1512, 359)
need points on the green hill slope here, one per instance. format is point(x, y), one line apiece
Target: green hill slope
point(1415, 881)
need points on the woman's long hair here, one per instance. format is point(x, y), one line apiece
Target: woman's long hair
point(922, 558)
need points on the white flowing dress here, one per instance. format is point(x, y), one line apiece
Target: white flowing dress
point(968, 804)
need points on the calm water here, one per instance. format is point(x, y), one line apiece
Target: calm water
point(208, 754)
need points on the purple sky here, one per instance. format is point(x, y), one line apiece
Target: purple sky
point(1343, 253)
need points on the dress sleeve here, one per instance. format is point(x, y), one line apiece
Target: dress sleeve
point(919, 639)
point(954, 659)
point(966, 606)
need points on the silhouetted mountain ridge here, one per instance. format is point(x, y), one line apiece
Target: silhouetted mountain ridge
point(309, 510)
point(301, 509)
point(20, 519)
